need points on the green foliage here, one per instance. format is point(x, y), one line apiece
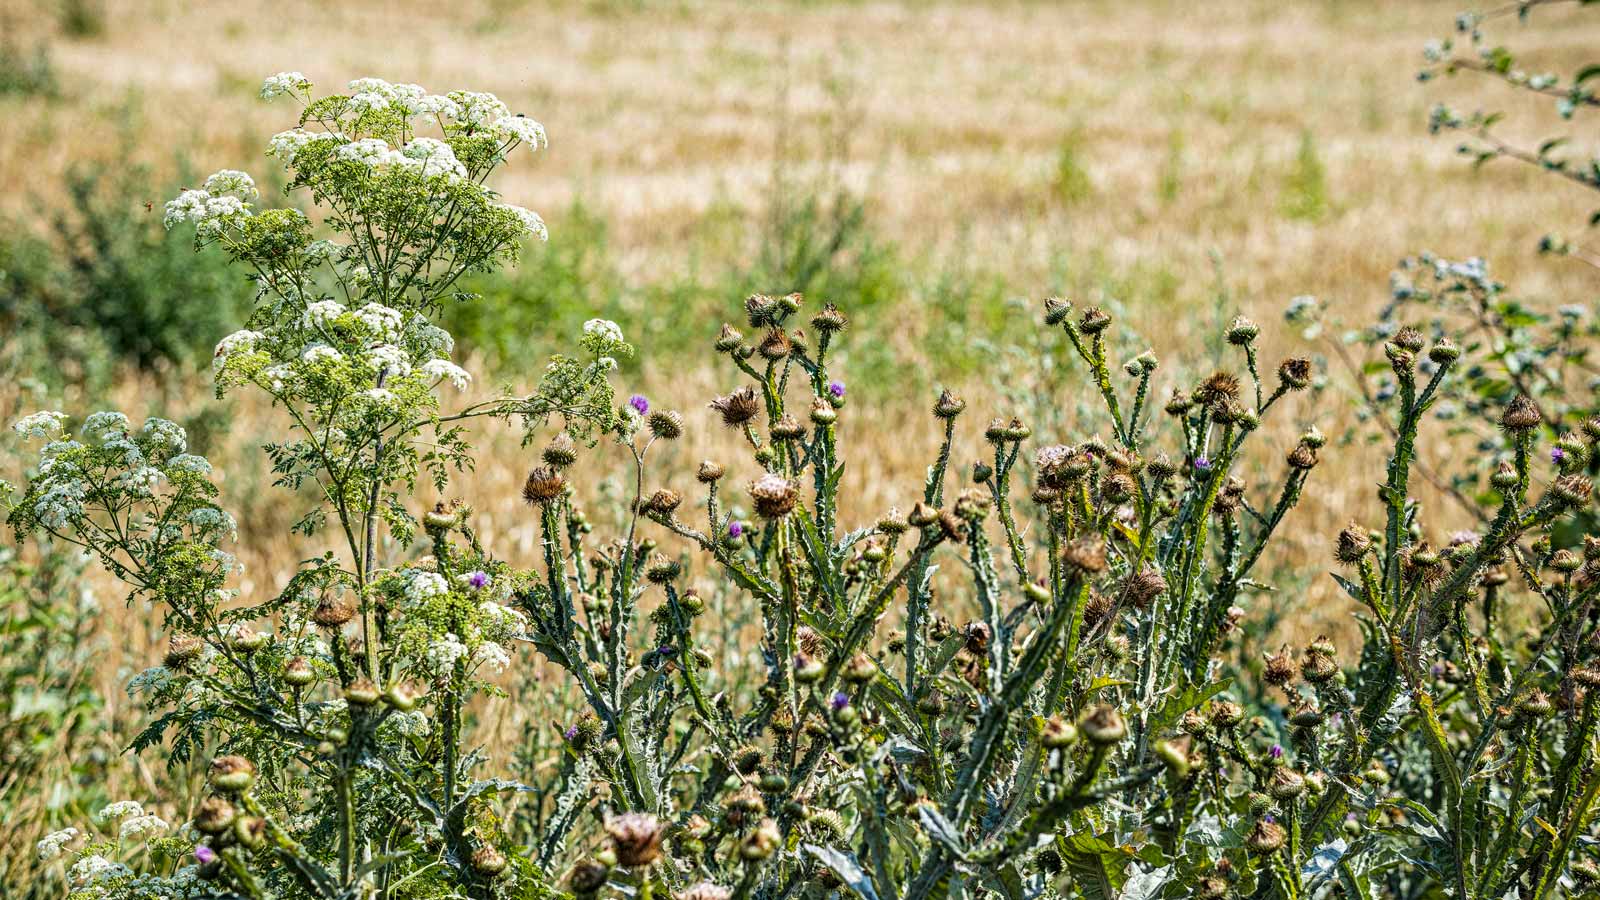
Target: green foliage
point(26, 73)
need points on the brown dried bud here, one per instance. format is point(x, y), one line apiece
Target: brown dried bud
point(1280, 668)
point(738, 407)
point(1521, 414)
point(774, 496)
point(662, 503)
point(1295, 373)
point(709, 472)
point(1353, 543)
point(635, 838)
point(776, 345)
point(1086, 556)
point(544, 485)
point(332, 612)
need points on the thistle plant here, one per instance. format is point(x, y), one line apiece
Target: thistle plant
point(1018, 687)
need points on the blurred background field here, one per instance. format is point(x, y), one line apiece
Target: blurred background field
point(933, 169)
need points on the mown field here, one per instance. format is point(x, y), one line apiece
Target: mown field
point(935, 170)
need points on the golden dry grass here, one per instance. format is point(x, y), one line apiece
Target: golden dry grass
point(1186, 121)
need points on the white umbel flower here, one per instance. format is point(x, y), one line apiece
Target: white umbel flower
point(275, 86)
point(51, 845)
point(43, 424)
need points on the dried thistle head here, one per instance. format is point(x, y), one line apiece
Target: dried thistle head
point(1353, 543)
point(664, 502)
point(948, 406)
point(1144, 586)
point(1280, 668)
point(829, 319)
point(1521, 415)
point(635, 838)
point(774, 496)
point(1085, 556)
point(738, 407)
point(776, 345)
point(333, 611)
point(1295, 373)
point(1094, 320)
point(544, 484)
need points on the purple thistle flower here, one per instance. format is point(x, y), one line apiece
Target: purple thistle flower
point(1203, 464)
point(1276, 752)
point(639, 403)
point(204, 855)
point(571, 733)
point(1557, 455)
point(840, 701)
point(1269, 819)
point(836, 388)
point(478, 580)
point(666, 650)
point(735, 529)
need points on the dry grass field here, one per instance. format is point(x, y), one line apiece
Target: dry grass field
point(1165, 151)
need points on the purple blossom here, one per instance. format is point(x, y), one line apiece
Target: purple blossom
point(639, 403)
point(571, 733)
point(1557, 455)
point(840, 701)
point(735, 529)
point(204, 855)
point(478, 579)
point(836, 388)
point(1202, 464)
point(666, 650)
point(1276, 752)
point(1269, 819)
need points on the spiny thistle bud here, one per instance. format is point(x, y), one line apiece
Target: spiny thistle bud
point(893, 523)
point(859, 669)
point(1591, 428)
point(246, 640)
point(709, 472)
point(588, 877)
point(823, 412)
point(787, 429)
point(298, 672)
point(1017, 430)
point(1409, 338)
point(488, 861)
point(1304, 714)
point(829, 319)
point(1176, 755)
point(807, 668)
point(214, 815)
point(1225, 714)
point(666, 424)
point(1056, 310)
point(923, 515)
point(774, 496)
point(1587, 676)
point(543, 485)
point(561, 452)
point(1144, 586)
point(362, 692)
point(1162, 467)
point(332, 612)
point(931, 703)
point(791, 303)
point(1353, 544)
point(744, 806)
point(1572, 490)
point(729, 339)
point(1586, 873)
point(232, 773)
point(1295, 373)
point(635, 838)
point(662, 503)
point(1211, 888)
point(251, 831)
point(1094, 321)
point(704, 890)
point(1143, 364)
point(1535, 704)
point(1302, 457)
point(1319, 667)
point(1085, 556)
point(1103, 725)
point(182, 651)
point(1400, 359)
point(763, 841)
point(738, 407)
point(948, 406)
point(1217, 390)
point(972, 505)
point(1178, 403)
point(762, 310)
point(1443, 353)
point(1266, 838)
point(1565, 561)
point(776, 345)
point(1057, 733)
point(1520, 415)
point(1285, 783)
point(663, 570)
point(1280, 668)
point(1242, 331)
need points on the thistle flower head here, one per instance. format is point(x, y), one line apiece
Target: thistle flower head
point(1242, 331)
point(544, 485)
point(561, 452)
point(1521, 415)
point(948, 406)
point(639, 404)
point(829, 319)
point(665, 424)
point(774, 496)
point(1295, 373)
point(635, 838)
point(738, 407)
point(1103, 725)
